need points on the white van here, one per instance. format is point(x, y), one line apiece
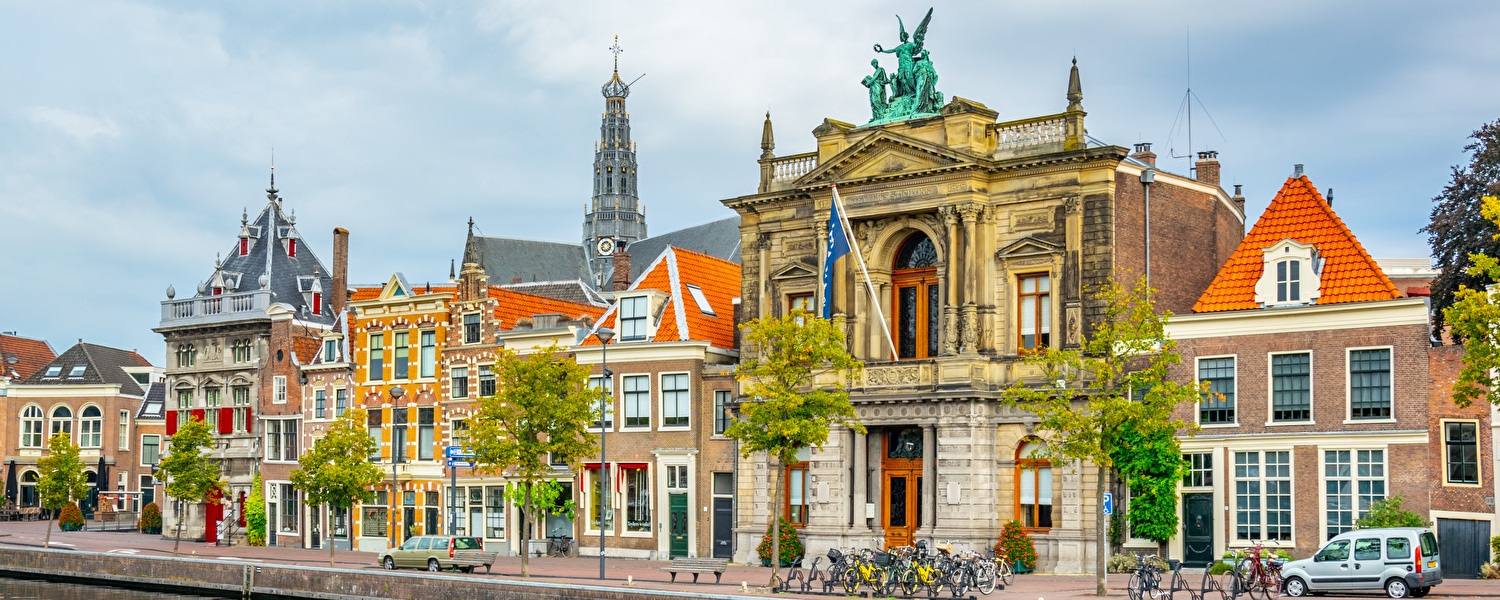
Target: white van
point(1402, 561)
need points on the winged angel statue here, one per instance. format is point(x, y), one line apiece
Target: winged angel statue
point(913, 88)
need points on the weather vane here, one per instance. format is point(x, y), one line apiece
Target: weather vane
point(616, 50)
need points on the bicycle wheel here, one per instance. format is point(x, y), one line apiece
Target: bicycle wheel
point(850, 579)
point(1007, 574)
point(907, 579)
point(880, 581)
point(986, 578)
point(1135, 588)
point(963, 579)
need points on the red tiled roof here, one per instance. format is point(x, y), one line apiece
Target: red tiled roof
point(510, 305)
point(30, 355)
point(672, 273)
point(1299, 213)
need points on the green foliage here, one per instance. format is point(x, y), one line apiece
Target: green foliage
point(1473, 315)
point(1117, 529)
point(337, 471)
point(60, 476)
point(542, 406)
point(1220, 568)
point(779, 364)
point(1388, 513)
point(151, 518)
point(1126, 563)
point(1495, 548)
point(544, 497)
point(790, 544)
point(1458, 230)
point(191, 474)
point(1017, 545)
point(255, 513)
point(70, 519)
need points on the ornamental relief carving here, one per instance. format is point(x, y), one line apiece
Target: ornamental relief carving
point(887, 376)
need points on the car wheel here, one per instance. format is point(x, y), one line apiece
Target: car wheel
point(432, 565)
point(1295, 588)
point(390, 563)
point(1396, 588)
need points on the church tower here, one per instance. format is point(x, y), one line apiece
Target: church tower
point(614, 217)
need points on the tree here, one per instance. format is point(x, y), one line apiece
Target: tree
point(337, 470)
point(1388, 513)
point(542, 406)
point(1457, 229)
point(788, 410)
point(191, 474)
point(60, 479)
point(1084, 403)
point(255, 513)
point(1149, 460)
point(1475, 318)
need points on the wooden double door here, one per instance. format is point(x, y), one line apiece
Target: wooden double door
point(901, 490)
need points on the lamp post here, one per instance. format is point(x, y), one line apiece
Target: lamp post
point(396, 394)
point(604, 334)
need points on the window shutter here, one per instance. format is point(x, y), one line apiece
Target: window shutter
point(172, 422)
point(226, 420)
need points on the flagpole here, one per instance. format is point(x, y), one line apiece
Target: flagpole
point(874, 299)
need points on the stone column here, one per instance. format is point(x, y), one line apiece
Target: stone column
point(861, 477)
point(969, 316)
point(954, 262)
point(929, 478)
point(763, 270)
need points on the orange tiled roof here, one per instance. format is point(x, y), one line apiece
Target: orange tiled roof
point(672, 272)
point(510, 305)
point(1300, 213)
point(30, 355)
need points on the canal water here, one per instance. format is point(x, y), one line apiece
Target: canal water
point(21, 589)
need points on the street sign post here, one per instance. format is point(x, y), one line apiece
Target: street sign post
point(1109, 503)
point(456, 458)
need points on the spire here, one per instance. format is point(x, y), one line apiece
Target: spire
point(1075, 88)
point(767, 139)
point(451, 275)
point(471, 247)
point(616, 87)
point(271, 191)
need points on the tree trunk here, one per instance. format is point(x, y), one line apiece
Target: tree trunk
point(1101, 548)
point(47, 540)
point(775, 581)
point(526, 533)
point(326, 539)
point(178, 541)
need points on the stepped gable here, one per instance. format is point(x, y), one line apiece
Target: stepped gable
point(31, 355)
point(672, 272)
point(101, 365)
point(1299, 213)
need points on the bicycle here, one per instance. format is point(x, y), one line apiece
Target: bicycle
point(1145, 582)
point(870, 569)
point(1257, 577)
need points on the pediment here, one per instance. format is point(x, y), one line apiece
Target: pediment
point(1028, 246)
point(884, 154)
point(794, 271)
point(395, 287)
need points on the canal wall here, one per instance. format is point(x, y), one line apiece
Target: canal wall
point(255, 580)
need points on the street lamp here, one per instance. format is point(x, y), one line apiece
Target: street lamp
point(396, 394)
point(604, 334)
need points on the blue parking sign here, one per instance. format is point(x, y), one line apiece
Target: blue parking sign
point(1109, 503)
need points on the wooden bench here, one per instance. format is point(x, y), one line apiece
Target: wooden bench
point(697, 566)
point(31, 513)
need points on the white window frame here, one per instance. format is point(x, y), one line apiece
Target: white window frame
point(278, 389)
point(1233, 514)
point(1353, 478)
point(1312, 388)
point(1349, 384)
point(123, 442)
point(661, 402)
point(453, 373)
point(479, 329)
point(142, 460)
point(1198, 409)
point(39, 436)
point(83, 432)
point(650, 507)
point(625, 402)
point(629, 334)
point(426, 361)
point(611, 408)
point(1478, 451)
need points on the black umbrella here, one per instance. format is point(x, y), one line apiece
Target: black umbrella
point(10, 482)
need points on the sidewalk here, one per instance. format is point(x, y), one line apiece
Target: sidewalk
point(744, 580)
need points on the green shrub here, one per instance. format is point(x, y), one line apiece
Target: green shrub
point(1017, 545)
point(1220, 568)
point(1388, 513)
point(255, 514)
point(790, 546)
point(1495, 548)
point(70, 519)
point(1126, 563)
point(151, 518)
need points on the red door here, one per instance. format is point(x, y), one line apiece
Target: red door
point(213, 511)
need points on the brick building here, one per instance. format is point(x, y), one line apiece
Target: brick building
point(1329, 394)
point(234, 352)
point(96, 395)
point(981, 238)
point(667, 488)
point(19, 358)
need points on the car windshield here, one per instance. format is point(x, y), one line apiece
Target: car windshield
point(466, 543)
point(1429, 545)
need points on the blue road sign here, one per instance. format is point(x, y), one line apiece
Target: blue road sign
point(459, 463)
point(456, 452)
point(1109, 503)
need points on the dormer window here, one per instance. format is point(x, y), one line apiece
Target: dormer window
point(291, 247)
point(53, 371)
point(1290, 276)
point(633, 318)
point(77, 371)
point(700, 300)
point(244, 246)
point(317, 303)
point(330, 350)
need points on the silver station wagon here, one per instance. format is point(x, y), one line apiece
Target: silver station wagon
point(1401, 561)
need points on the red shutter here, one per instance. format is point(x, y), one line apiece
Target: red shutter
point(172, 422)
point(317, 303)
point(197, 415)
point(291, 247)
point(249, 419)
point(244, 246)
point(226, 420)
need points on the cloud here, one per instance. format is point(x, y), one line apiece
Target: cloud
point(77, 126)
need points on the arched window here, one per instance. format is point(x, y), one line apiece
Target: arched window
point(28, 489)
point(90, 427)
point(1034, 485)
point(31, 427)
point(915, 298)
point(62, 420)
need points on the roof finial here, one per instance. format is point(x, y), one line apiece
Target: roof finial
point(1075, 88)
point(271, 191)
point(471, 225)
point(767, 139)
point(450, 270)
point(616, 50)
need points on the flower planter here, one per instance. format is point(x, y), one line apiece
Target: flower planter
point(766, 562)
point(1021, 569)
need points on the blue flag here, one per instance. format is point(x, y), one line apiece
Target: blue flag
point(838, 246)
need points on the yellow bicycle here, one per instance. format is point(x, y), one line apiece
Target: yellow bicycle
point(870, 568)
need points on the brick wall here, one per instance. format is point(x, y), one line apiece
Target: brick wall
point(1446, 361)
point(1192, 235)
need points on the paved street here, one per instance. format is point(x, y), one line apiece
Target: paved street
point(643, 574)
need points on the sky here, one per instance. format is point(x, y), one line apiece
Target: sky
point(133, 134)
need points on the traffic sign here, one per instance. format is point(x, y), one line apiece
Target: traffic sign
point(459, 463)
point(456, 452)
point(1109, 503)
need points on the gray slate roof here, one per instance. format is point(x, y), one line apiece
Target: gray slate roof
point(507, 259)
point(154, 406)
point(720, 239)
point(290, 275)
point(102, 365)
point(577, 290)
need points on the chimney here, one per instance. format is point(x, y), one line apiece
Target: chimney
point(1208, 167)
point(1330, 196)
point(1238, 198)
point(1296, 170)
point(339, 295)
point(622, 270)
point(1144, 154)
point(516, 280)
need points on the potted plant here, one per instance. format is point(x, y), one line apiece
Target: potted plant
point(790, 545)
point(70, 519)
point(151, 518)
point(1017, 546)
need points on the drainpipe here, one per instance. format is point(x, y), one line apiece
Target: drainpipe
point(1148, 177)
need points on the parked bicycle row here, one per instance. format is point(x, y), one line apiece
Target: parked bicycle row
point(902, 571)
point(1253, 576)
